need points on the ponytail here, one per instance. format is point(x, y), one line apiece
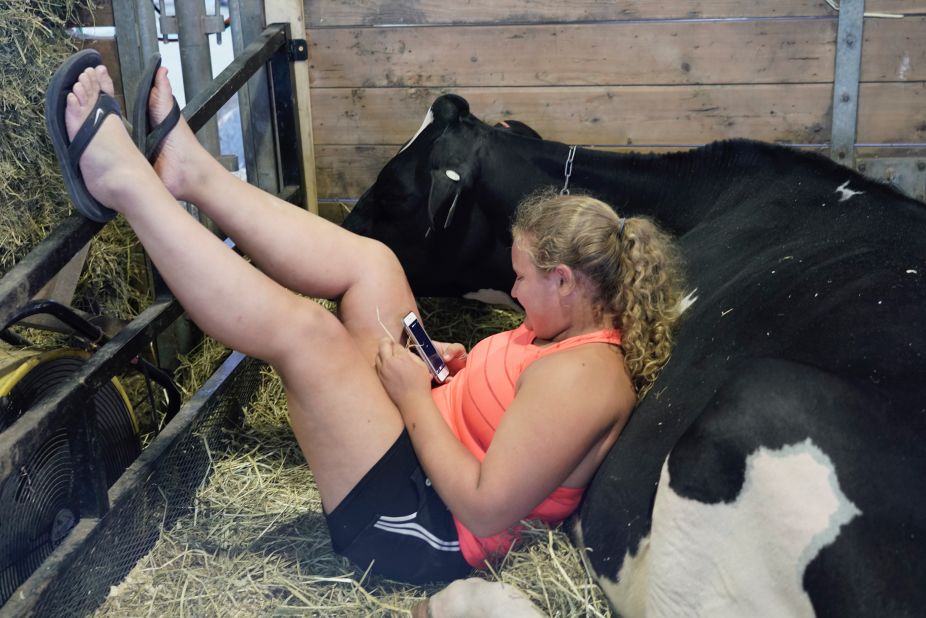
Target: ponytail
point(647, 299)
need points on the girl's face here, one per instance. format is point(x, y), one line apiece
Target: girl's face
point(538, 293)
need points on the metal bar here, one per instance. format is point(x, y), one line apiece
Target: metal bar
point(845, 83)
point(906, 174)
point(247, 22)
point(90, 483)
point(211, 98)
point(137, 40)
point(27, 277)
point(196, 62)
point(18, 442)
point(292, 12)
point(286, 118)
point(292, 194)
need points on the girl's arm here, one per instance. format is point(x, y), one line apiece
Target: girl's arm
point(569, 406)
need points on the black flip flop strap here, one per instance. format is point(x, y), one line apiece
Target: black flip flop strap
point(159, 132)
point(105, 105)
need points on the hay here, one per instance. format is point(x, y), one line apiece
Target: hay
point(32, 196)
point(35, 43)
point(256, 542)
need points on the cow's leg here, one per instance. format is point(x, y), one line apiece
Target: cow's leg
point(303, 252)
point(478, 598)
point(341, 415)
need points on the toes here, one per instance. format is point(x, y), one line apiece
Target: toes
point(87, 78)
point(74, 112)
point(89, 86)
point(105, 81)
point(79, 92)
point(161, 95)
point(73, 105)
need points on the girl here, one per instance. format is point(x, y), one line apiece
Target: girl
point(423, 483)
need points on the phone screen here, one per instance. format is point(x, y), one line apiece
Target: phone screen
point(421, 337)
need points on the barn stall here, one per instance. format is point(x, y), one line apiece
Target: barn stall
point(245, 535)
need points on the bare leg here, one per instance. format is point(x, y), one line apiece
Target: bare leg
point(343, 418)
point(294, 247)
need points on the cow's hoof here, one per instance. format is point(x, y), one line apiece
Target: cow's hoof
point(477, 598)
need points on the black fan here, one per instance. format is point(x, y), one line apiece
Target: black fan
point(38, 504)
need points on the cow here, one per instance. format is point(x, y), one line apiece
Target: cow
point(778, 465)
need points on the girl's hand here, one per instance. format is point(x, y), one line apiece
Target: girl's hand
point(403, 374)
point(454, 355)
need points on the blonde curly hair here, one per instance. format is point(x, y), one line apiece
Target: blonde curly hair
point(633, 265)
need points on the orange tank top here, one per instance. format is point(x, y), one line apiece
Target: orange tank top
point(473, 403)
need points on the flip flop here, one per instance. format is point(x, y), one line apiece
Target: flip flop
point(148, 137)
point(70, 151)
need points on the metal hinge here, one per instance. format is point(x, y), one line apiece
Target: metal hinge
point(298, 50)
point(209, 24)
point(906, 174)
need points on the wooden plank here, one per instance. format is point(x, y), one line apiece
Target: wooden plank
point(345, 172)
point(652, 115)
point(744, 52)
point(96, 13)
point(324, 13)
point(291, 12)
point(892, 113)
point(897, 44)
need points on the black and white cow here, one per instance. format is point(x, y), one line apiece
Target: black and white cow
point(778, 466)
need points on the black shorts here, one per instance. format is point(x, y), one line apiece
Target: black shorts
point(394, 520)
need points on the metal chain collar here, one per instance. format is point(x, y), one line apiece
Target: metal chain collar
point(569, 158)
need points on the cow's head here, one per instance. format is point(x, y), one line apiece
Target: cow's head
point(430, 205)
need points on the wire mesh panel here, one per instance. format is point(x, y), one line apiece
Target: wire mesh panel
point(39, 502)
point(156, 490)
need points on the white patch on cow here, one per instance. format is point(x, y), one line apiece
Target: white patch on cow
point(493, 297)
point(904, 67)
point(686, 302)
point(911, 271)
point(428, 119)
point(845, 192)
point(452, 175)
point(746, 558)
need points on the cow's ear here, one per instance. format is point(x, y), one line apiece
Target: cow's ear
point(448, 109)
point(444, 197)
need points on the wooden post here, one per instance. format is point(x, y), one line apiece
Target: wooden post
point(291, 12)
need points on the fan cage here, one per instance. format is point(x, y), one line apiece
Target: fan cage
point(151, 495)
point(39, 504)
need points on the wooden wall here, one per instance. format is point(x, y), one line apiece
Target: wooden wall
point(618, 74)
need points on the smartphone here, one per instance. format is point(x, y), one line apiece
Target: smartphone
point(425, 347)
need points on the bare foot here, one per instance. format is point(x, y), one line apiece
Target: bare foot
point(177, 163)
point(112, 167)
